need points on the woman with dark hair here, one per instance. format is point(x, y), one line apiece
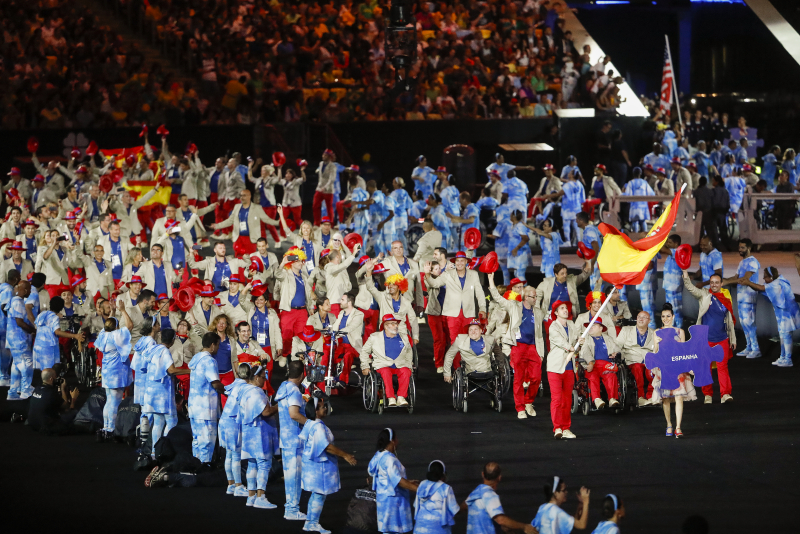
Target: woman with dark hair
point(391, 486)
point(552, 519)
point(320, 472)
point(435, 505)
point(115, 345)
point(686, 390)
point(613, 511)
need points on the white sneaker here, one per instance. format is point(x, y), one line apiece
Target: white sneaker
point(392, 402)
point(4, 382)
point(439, 370)
point(263, 504)
point(241, 491)
point(294, 516)
point(529, 410)
point(754, 354)
point(522, 415)
point(401, 401)
point(778, 361)
point(599, 404)
point(785, 362)
point(526, 384)
point(744, 353)
point(707, 400)
point(567, 434)
point(612, 403)
point(558, 434)
point(231, 489)
point(315, 527)
point(726, 398)
point(642, 401)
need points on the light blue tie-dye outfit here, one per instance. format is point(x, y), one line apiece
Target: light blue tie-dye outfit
point(403, 205)
point(320, 469)
point(709, 263)
point(291, 445)
point(517, 194)
point(746, 301)
point(360, 219)
point(571, 205)
point(590, 235)
point(139, 362)
point(740, 155)
point(259, 436)
point(6, 292)
point(472, 210)
point(434, 508)
point(425, 188)
point(645, 290)
point(606, 527)
point(502, 232)
point(780, 294)
point(718, 156)
point(670, 143)
point(442, 223)
point(769, 170)
point(377, 213)
point(452, 206)
point(483, 504)
point(45, 345)
point(639, 212)
point(230, 431)
point(116, 349)
point(551, 253)
point(502, 169)
point(393, 502)
point(18, 341)
point(417, 208)
point(656, 161)
point(203, 405)
point(576, 172)
point(703, 163)
point(673, 287)
point(736, 187)
point(790, 167)
point(522, 259)
point(551, 519)
point(159, 396)
point(683, 154)
point(487, 203)
point(388, 232)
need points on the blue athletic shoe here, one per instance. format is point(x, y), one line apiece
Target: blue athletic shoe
point(264, 504)
point(231, 489)
point(251, 500)
point(13, 396)
point(241, 491)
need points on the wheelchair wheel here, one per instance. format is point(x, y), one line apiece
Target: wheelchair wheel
point(732, 225)
point(576, 402)
point(506, 378)
point(85, 364)
point(413, 235)
point(458, 390)
point(541, 389)
point(369, 392)
point(414, 361)
point(412, 395)
point(498, 394)
point(585, 407)
point(624, 392)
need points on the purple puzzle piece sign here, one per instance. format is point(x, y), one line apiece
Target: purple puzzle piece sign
point(675, 358)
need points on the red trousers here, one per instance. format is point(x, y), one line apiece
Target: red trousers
point(437, 322)
point(346, 354)
point(609, 380)
point(403, 375)
point(642, 373)
point(221, 212)
point(319, 198)
point(370, 320)
point(243, 246)
point(294, 214)
point(723, 376)
point(340, 206)
point(271, 212)
point(226, 379)
point(527, 368)
point(455, 326)
point(561, 386)
point(292, 324)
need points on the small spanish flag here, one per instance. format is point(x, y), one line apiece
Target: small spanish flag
point(624, 262)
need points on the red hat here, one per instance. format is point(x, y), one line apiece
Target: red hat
point(235, 278)
point(170, 224)
point(584, 252)
point(30, 222)
point(256, 264)
point(324, 252)
point(389, 317)
point(475, 262)
point(164, 296)
point(325, 219)
point(13, 193)
point(379, 269)
point(117, 175)
point(14, 171)
point(6, 241)
point(362, 260)
point(515, 281)
point(459, 255)
point(676, 160)
point(309, 335)
point(191, 148)
point(558, 303)
point(30, 275)
point(82, 169)
point(352, 239)
point(136, 279)
point(489, 263)
point(441, 168)
point(144, 130)
point(548, 167)
point(17, 245)
point(162, 130)
point(38, 178)
point(301, 163)
point(660, 170)
point(328, 152)
point(208, 291)
point(278, 159)
point(130, 161)
point(493, 172)
point(75, 152)
point(106, 183)
point(601, 167)
point(92, 149)
point(477, 322)
point(472, 238)
point(693, 165)
point(683, 256)
point(218, 303)
point(33, 144)
point(747, 167)
point(354, 168)
point(648, 167)
point(78, 227)
point(76, 280)
point(597, 321)
point(184, 298)
point(258, 288)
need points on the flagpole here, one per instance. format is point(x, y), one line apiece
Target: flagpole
point(674, 82)
point(583, 336)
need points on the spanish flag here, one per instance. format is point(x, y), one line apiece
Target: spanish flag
point(624, 262)
point(141, 187)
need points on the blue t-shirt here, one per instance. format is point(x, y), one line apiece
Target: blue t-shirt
point(559, 293)
point(260, 324)
point(165, 322)
point(214, 181)
point(599, 191)
point(178, 252)
point(308, 248)
point(207, 313)
point(223, 356)
point(233, 299)
point(441, 295)
point(396, 304)
point(116, 250)
point(243, 219)
point(160, 286)
point(462, 279)
point(477, 346)
point(394, 345)
point(714, 319)
point(101, 266)
point(325, 239)
point(221, 270)
point(30, 244)
point(404, 268)
point(600, 349)
point(299, 299)
point(527, 328)
point(569, 366)
point(342, 324)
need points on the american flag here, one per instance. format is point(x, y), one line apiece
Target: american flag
point(667, 82)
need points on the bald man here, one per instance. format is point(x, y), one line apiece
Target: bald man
point(47, 404)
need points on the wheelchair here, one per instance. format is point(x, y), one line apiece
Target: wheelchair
point(83, 359)
point(495, 382)
point(627, 392)
point(374, 395)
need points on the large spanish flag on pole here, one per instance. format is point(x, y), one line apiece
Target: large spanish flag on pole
point(141, 187)
point(622, 261)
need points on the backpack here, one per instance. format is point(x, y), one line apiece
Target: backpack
point(362, 512)
point(90, 416)
point(128, 419)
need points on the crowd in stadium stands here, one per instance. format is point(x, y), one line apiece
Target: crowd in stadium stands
point(309, 61)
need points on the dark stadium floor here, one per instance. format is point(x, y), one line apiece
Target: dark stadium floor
point(737, 466)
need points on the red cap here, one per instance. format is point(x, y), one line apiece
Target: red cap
point(14, 171)
point(601, 167)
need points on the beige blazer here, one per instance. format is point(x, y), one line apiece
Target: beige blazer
point(587, 350)
point(129, 221)
point(297, 241)
point(606, 317)
point(508, 332)
point(54, 270)
point(237, 313)
point(480, 363)
point(560, 346)
point(609, 186)
point(255, 216)
point(458, 299)
point(545, 291)
point(207, 264)
point(426, 245)
point(629, 347)
point(414, 293)
point(374, 351)
point(337, 279)
point(124, 247)
point(275, 337)
point(95, 280)
point(268, 275)
point(147, 272)
point(167, 243)
point(704, 296)
point(405, 313)
point(195, 220)
point(354, 328)
point(288, 288)
point(363, 298)
point(198, 323)
point(622, 309)
point(159, 229)
point(433, 307)
point(252, 348)
point(182, 351)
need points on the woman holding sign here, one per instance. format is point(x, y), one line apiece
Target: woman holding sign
point(685, 391)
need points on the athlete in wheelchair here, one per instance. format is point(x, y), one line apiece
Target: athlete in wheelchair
point(387, 356)
point(600, 362)
point(477, 369)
